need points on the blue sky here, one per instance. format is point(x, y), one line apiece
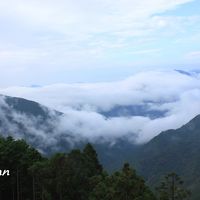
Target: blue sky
point(64, 41)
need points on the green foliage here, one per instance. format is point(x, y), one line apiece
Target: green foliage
point(72, 176)
point(173, 151)
point(92, 160)
point(16, 156)
point(172, 188)
point(66, 176)
point(123, 185)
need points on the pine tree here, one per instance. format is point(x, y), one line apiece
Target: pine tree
point(172, 188)
point(92, 160)
point(122, 185)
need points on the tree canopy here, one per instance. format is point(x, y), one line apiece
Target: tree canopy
point(172, 188)
point(76, 175)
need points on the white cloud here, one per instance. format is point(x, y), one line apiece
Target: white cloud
point(60, 33)
point(147, 51)
point(92, 16)
point(171, 91)
point(193, 55)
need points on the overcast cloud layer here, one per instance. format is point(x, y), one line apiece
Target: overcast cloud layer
point(94, 40)
point(178, 94)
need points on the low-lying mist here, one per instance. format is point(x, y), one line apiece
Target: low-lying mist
point(137, 108)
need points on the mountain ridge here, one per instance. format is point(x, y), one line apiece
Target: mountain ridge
point(175, 150)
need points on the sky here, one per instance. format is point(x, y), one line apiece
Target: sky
point(65, 41)
point(87, 57)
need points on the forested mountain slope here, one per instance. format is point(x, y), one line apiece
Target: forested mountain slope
point(173, 151)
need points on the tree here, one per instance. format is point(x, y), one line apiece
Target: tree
point(122, 185)
point(172, 188)
point(17, 156)
point(80, 168)
point(92, 160)
point(74, 175)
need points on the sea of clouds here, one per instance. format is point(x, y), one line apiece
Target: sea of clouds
point(175, 93)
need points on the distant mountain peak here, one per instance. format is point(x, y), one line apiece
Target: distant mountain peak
point(183, 72)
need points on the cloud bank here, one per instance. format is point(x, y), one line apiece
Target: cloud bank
point(176, 94)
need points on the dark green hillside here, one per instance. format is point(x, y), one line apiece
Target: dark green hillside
point(21, 118)
point(113, 156)
point(28, 107)
point(174, 151)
